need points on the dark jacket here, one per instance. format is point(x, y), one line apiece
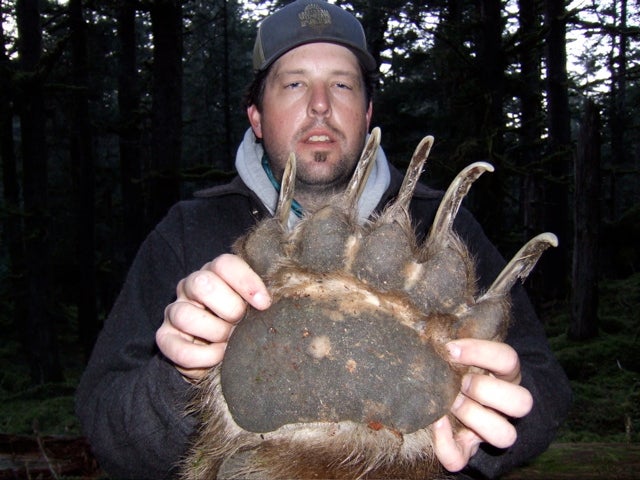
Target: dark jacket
point(131, 400)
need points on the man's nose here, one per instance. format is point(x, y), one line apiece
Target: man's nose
point(320, 102)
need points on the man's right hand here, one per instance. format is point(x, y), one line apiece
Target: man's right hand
point(209, 303)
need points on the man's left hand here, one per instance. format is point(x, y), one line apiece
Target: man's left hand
point(485, 402)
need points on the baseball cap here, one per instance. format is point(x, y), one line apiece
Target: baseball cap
point(309, 21)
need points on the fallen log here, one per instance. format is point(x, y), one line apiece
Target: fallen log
point(46, 457)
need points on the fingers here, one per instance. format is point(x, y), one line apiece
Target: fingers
point(192, 357)
point(507, 398)
point(209, 303)
point(198, 322)
point(223, 285)
point(192, 338)
point(236, 273)
point(498, 358)
point(489, 425)
point(485, 402)
point(481, 424)
point(500, 390)
point(453, 451)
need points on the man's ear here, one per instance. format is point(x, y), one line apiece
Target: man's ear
point(369, 114)
point(255, 119)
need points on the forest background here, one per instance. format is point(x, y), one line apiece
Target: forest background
point(111, 111)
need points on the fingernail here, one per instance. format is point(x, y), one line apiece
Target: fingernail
point(475, 448)
point(454, 350)
point(458, 402)
point(464, 385)
point(260, 300)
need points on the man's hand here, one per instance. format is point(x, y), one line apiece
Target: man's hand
point(209, 303)
point(485, 402)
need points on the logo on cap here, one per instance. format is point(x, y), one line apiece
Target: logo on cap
point(314, 16)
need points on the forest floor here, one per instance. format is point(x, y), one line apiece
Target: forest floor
point(70, 458)
point(40, 436)
point(584, 461)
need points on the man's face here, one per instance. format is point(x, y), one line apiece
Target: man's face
point(314, 105)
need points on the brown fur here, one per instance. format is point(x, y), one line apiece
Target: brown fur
point(313, 450)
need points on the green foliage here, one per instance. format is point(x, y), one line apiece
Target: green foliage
point(604, 371)
point(585, 461)
point(46, 409)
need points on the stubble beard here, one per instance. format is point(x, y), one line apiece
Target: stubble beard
point(309, 189)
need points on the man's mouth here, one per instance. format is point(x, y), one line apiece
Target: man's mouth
point(318, 139)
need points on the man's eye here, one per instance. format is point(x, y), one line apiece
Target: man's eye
point(343, 85)
point(292, 85)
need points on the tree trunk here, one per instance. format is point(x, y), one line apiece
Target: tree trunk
point(374, 22)
point(584, 301)
point(166, 21)
point(530, 93)
point(129, 133)
point(39, 333)
point(618, 122)
point(554, 265)
point(83, 180)
point(226, 89)
point(12, 230)
point(450, 65)
point(531, 110)
point(489, 194)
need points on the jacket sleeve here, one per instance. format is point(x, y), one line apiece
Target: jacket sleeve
point(130, 400)
point(541, 373)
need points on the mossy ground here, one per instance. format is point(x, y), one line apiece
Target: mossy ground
point(604, 371)
point(601, 437)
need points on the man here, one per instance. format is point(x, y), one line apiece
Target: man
point(312, 96)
